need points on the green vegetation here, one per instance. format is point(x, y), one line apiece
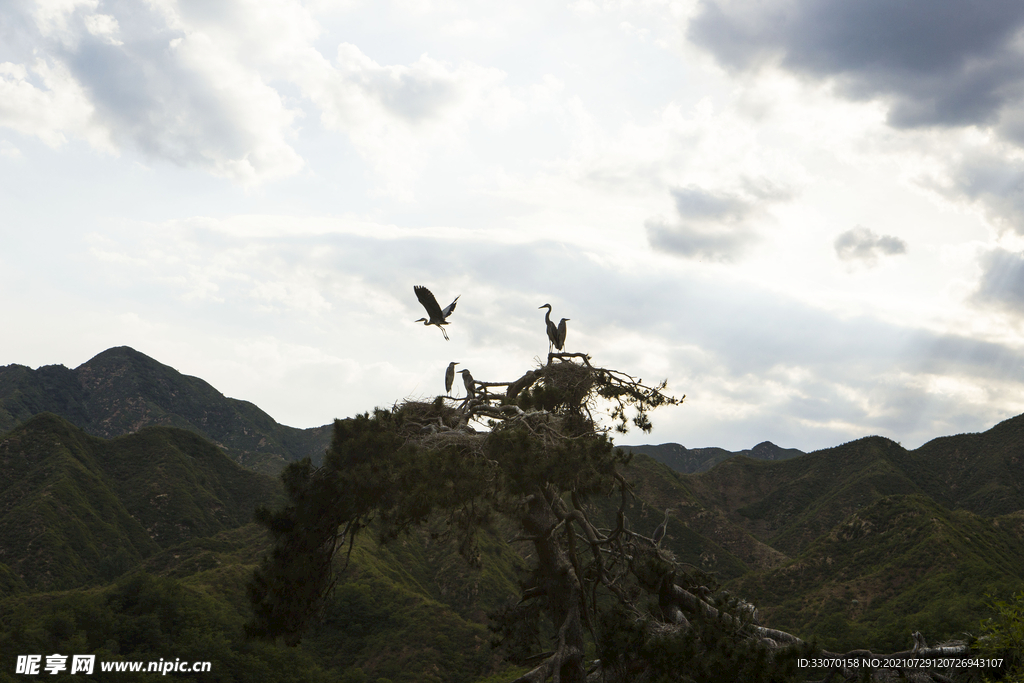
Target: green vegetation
point(189, 601)
point(76, 509)
point(903, 564)
point(141, 545)
point(1002, 636)
point(142, 617)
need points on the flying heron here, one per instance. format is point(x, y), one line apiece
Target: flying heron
point(552, 330)
point(467, 379)
point(438, 316)
point(449, 377)
point(659, 533)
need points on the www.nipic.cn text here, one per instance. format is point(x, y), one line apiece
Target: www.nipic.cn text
point(85, 664)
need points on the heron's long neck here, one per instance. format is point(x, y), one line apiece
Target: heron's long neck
point(547, 316)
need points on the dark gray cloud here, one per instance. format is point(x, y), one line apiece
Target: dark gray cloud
point(862, 244)
point(141, 92)
point(712, 225)
point(1002, 280)
point(994, 183)
point(694, 241)
point(937, 62)
point(693, 203)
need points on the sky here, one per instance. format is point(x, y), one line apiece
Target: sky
point(806, 215)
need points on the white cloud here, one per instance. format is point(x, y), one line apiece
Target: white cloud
point(103, 26)
point(8, 150)
point(54, 18)
point(57, 107)
point(531, 146)
point(153, 83)
point(397, 115)
point(863, 245)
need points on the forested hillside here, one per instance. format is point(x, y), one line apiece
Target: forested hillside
point(140, 546)
point(121, 390)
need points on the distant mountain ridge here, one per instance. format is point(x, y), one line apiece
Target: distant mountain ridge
point(857, 544)
point(862, 542)
point(120, 390)
point(696, 460)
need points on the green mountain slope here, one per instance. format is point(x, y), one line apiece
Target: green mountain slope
point(699, 534)
point(76, 509)
point(788, 504)
point(406, 612)
point(855, 545)
point(140, 547)
point(983, 473)
point(902, 564)
point(121, 390)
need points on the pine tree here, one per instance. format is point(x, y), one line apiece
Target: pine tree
point(539, 456)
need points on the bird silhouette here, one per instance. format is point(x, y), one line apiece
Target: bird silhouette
point(449, 377)
point(560, 341)
point(552, 330)
point(437, 316)
point(467, 379)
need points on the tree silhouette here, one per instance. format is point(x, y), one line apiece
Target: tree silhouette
point(535, 451)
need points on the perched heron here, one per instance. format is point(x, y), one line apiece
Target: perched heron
point(560, 342)
point(552, 330)
point(438, 316)
point(449, 377)
point(659, 533)
point(467, 379)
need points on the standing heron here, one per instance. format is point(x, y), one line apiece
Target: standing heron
point(449, 377)
point(659, 533)
point(552, 330)
point(467, 379)
point(438, 316)
point(560, 342)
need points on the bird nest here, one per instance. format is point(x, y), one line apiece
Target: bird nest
point(576, 379)
point(415, 418)
point(563, 387)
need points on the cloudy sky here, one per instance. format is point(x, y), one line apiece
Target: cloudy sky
point(807, 215)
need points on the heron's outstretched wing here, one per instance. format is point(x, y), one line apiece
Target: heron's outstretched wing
point(429, 303)
point(449, 308)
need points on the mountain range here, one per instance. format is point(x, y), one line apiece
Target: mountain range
point(120, 391)
point(123, 477)
point(694, 460)
point(866, 541)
